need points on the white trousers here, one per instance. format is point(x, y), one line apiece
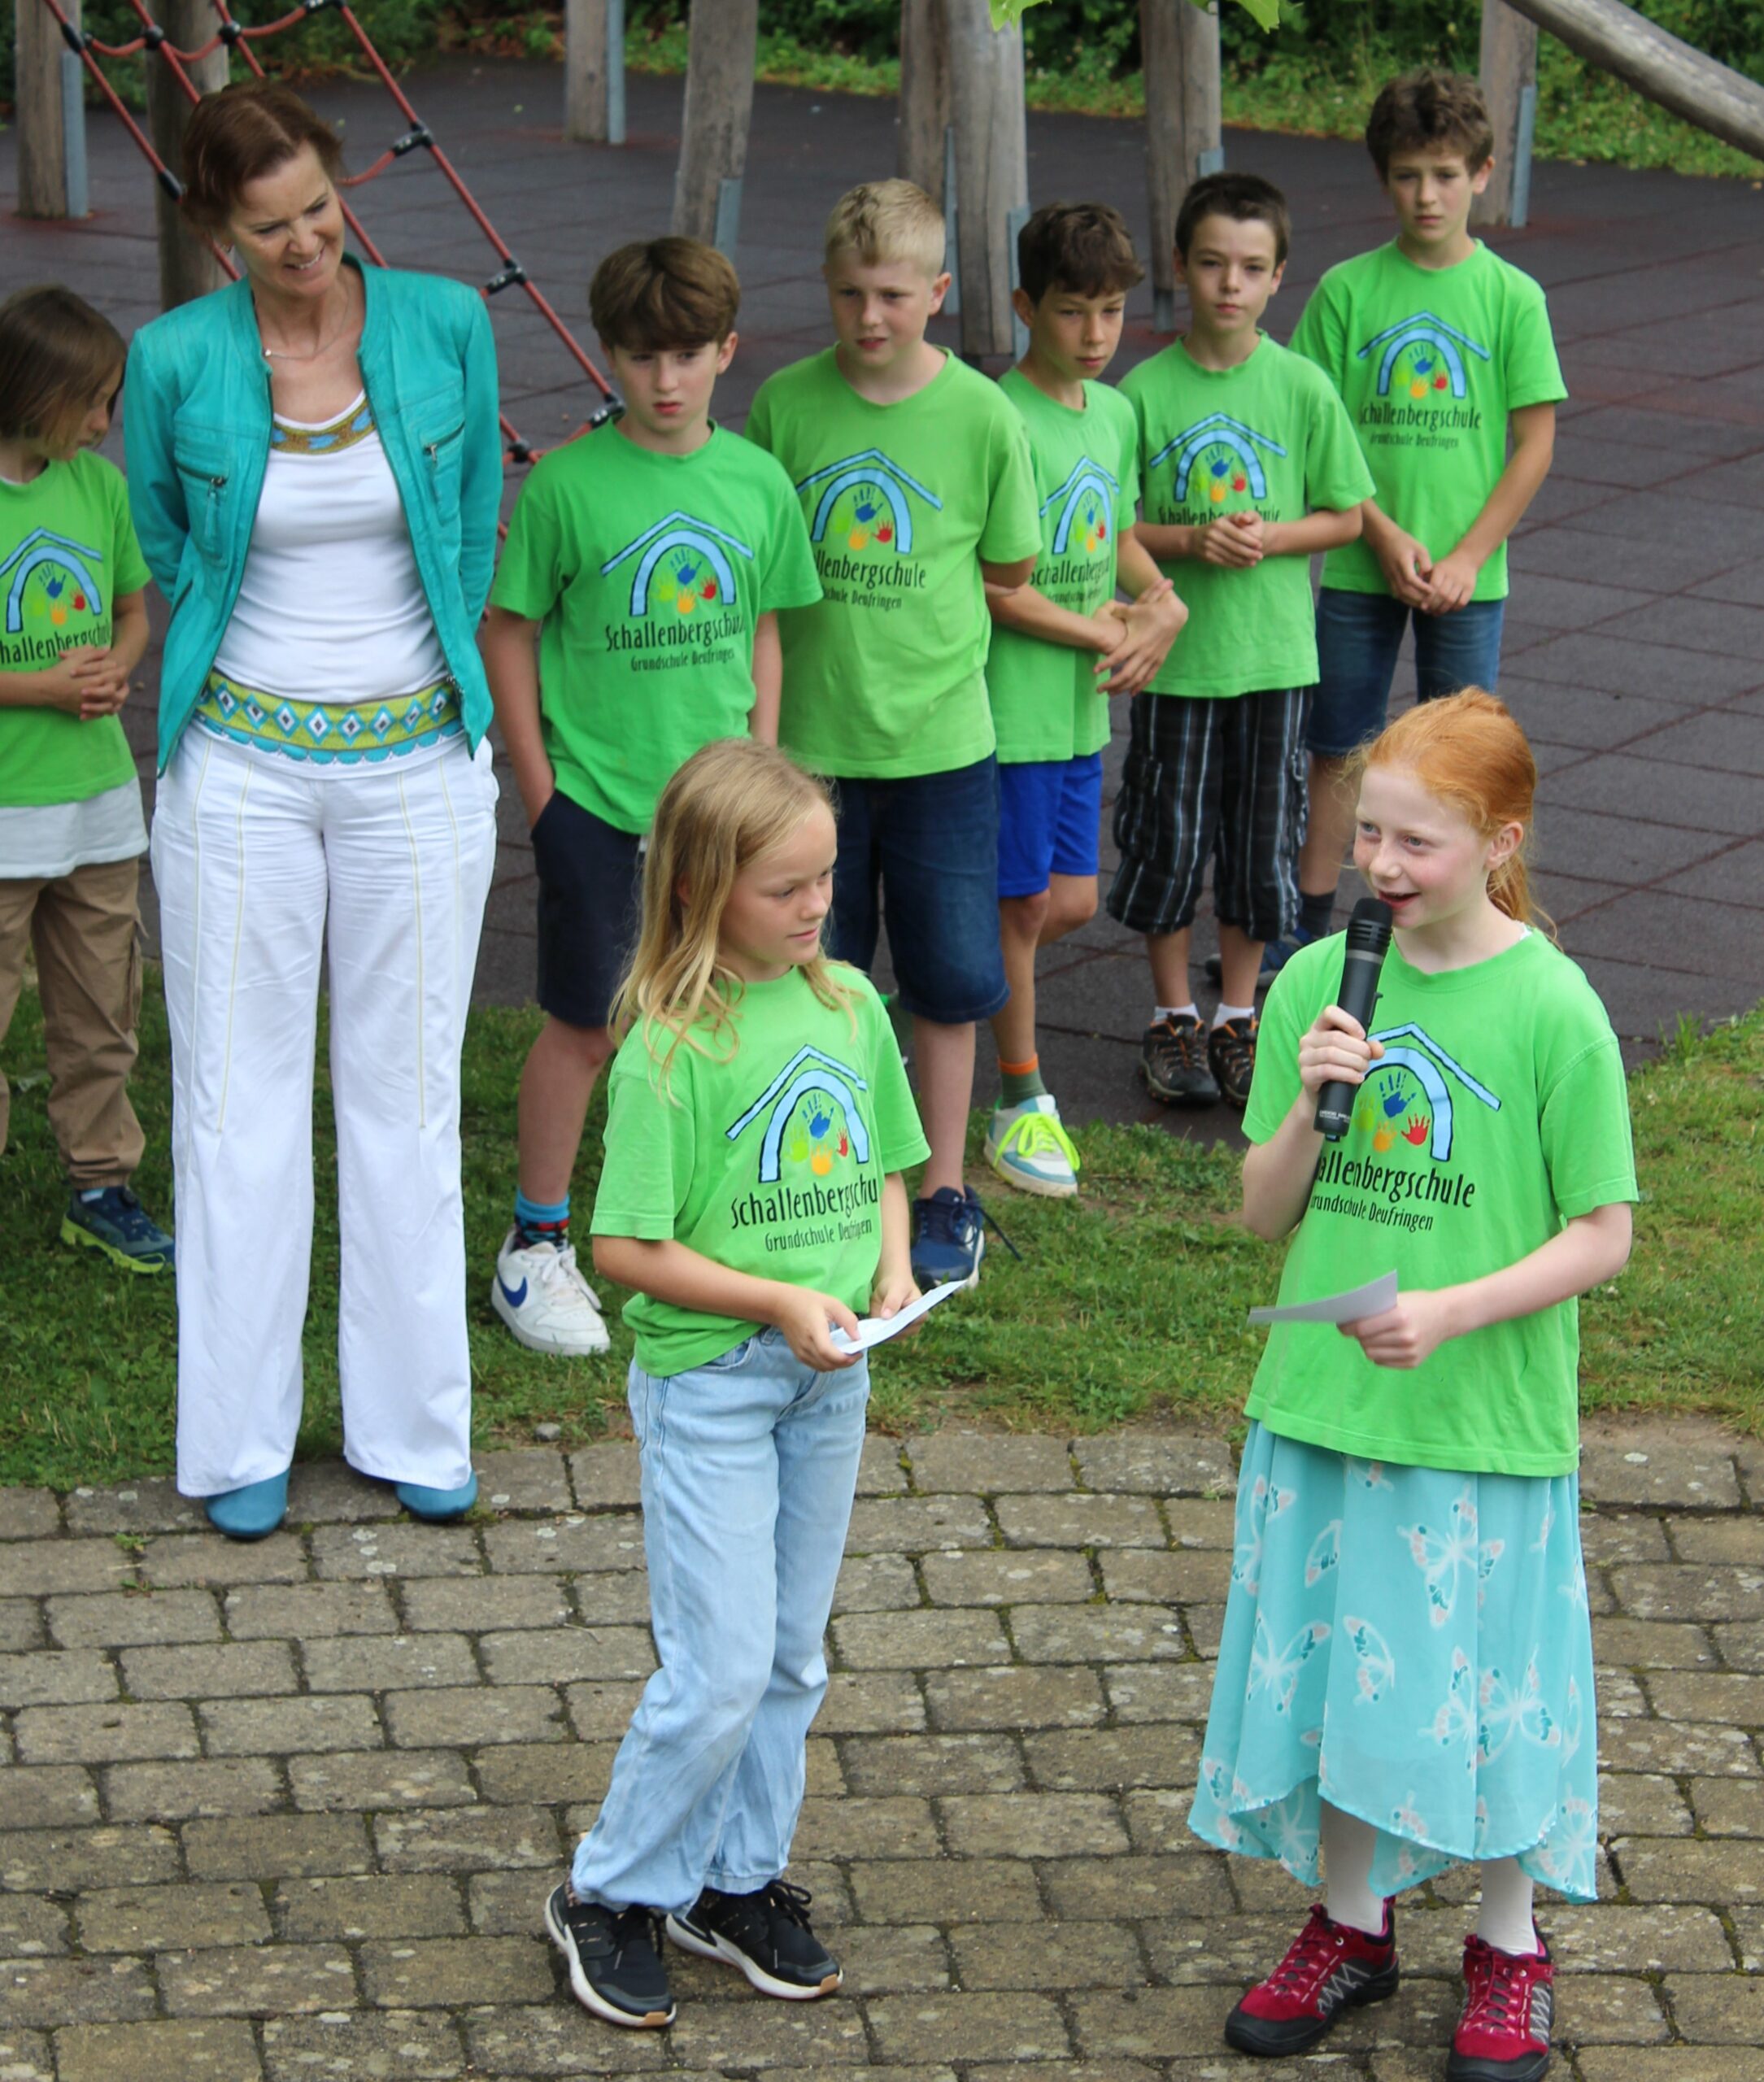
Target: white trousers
point(258, 864)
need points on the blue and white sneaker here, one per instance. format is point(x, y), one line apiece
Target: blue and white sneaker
point(115, 1222)
point(1029, 1148)
point(545, 1301)
point(1275, 955)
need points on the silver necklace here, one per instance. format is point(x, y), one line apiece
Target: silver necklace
point(324, 347)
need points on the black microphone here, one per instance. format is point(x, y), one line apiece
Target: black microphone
point(1368, 939)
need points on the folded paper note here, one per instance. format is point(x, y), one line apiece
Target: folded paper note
point(878, 1330)
point(1372, 1299)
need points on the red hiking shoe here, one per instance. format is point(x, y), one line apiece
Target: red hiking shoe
point(1330, 1967)
point(1510, 2004)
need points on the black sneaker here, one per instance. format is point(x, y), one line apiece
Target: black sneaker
point(115, 1222)
point(1231, 1058)
point(948, 1238)
point(1173, 1061)
point(615, 1959)
point(766, 1934)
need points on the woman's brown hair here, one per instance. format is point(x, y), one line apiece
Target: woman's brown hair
point(57, 354)
point(238, 135)
point(1468, 752)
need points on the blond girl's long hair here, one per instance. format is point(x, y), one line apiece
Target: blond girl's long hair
point(732, 803)
point(1468, 751)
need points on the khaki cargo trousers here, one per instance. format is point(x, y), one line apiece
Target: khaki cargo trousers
point(85, 927)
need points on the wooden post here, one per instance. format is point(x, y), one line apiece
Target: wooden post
point(924, 95)
point(1680, 77)
point(1510, 87)
point(1183, 126)
point(722, 43)
point(49, 182)
point(594, 71)
point(187, 268)
point(991, 157)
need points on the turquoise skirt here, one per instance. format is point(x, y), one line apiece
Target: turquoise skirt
point(1414, 1646)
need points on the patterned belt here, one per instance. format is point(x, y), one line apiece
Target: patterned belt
point(329, 732)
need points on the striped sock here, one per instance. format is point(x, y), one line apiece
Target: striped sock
point(538, 1222)
point(1020, 1080)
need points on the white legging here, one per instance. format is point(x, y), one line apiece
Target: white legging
point(1503, 1921)
point(260, 863)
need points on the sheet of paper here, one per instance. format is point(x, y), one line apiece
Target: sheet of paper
point(878, 1330)
point(1372, 1299)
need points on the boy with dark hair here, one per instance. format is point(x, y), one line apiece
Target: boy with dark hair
point(1441, 350)
point(1250, 465)
point(915, 477)
point(1063, 644)
point(649, 560)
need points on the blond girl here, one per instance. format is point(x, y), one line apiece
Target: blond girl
point(759, 1120)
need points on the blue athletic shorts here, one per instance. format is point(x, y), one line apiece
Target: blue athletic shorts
point(589, 897)
point(926, 851)
point(1050, 819)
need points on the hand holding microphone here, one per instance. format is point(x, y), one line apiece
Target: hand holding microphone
point(1368, 939)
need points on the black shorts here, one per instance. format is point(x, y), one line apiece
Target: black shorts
point(589, 902)
point(1212, 778)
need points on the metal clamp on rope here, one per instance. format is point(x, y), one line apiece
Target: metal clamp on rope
point(411, 140)
point(73, 36)
point(169, 182)
point(230, 32)
point(520, 451)
point(608, 408)
point(514, 272)
point(319, 6)
point(152, 35)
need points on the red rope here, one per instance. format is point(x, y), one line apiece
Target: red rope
point(231, 34)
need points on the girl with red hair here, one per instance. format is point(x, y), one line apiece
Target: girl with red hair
point(1405, 1679)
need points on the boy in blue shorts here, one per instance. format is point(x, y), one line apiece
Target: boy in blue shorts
point(1063, 644)
point(633, 618)
point(1441, 351)
point(915, 478)
point(1249, 466)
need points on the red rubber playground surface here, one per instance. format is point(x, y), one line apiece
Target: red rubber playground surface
point(1635, 645)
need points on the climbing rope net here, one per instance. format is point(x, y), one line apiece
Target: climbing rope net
point(235, 36)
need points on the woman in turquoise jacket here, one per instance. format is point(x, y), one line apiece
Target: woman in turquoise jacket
point(315, 470)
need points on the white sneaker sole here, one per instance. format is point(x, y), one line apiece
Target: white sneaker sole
point(560, 1344)
point(731, 1955)
point(1027, 1182)
point(590, 1998)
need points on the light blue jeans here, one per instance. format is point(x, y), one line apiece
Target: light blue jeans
point(749, 1467)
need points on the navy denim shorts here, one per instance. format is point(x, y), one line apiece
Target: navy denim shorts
point(1358, 636)
point(924, 851)
point(590, 898)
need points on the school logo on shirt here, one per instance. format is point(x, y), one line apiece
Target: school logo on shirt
point(48, 579)
point(1215, 459)
point(1084, 504)
point(807, 1126)
point(1423, 359)
point(1405, 1111)
point(680, 565)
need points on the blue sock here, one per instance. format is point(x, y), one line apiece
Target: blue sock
point(541, 1223)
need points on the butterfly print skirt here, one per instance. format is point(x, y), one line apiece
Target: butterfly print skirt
point(1412, 1645)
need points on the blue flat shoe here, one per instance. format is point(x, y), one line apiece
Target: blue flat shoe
point(251, 1513)
point(436, 1505)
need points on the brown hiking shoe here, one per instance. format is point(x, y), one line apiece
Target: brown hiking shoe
point(1173, 1061)
point(1232, 1057)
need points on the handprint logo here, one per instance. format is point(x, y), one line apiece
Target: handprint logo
point(1365, 1117)
point(1392, 1100)
point(1384, 1138)
point(821, 1163)
point(685, 574)
point(1415, 1132)
point(1216, 490)
point(865, 506)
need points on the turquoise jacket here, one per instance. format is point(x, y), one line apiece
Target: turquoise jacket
point(196, 427)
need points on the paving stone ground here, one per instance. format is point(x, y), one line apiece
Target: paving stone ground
point(287, 1813)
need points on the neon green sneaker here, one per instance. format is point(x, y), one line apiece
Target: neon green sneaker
point(1029, 1149)
point(115, 1222)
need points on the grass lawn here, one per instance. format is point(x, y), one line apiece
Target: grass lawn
point(1129, 1304)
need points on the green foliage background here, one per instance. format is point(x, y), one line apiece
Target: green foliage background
point(1316, 72)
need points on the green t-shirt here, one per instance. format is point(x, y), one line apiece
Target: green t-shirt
point(1268, 437)
point(771, 1163)
point(1496, 1114)
point(1429, 361)
point(1046, 698)
point(886, 677)
point(67, 553)
point(648, 574)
